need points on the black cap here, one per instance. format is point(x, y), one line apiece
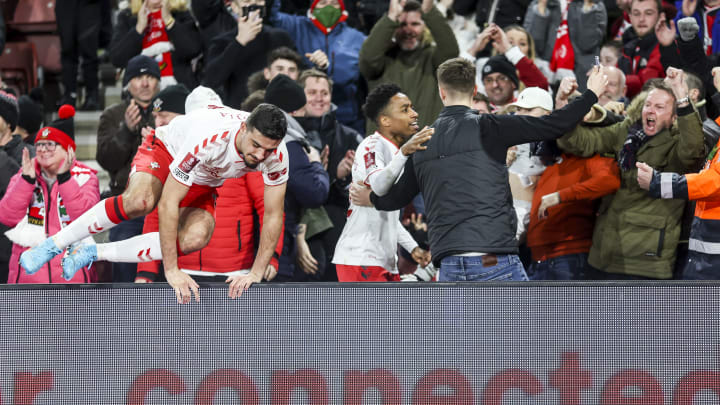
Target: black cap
point(172, 99)
point(500, 64)
point(141, 65)
point(285, 93)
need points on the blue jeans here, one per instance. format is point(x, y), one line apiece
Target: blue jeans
point(701, 266)
point(568, 267)
point(482, 268)
point(125, 272)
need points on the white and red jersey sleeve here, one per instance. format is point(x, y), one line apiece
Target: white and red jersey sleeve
point(378, 163)
point(372, 155)
point(275, 168)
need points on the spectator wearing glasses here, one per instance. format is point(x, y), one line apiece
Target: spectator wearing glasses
point(50, 191)
point(500, 80)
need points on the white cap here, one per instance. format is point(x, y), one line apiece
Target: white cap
point(201, 97)
point(533, 97)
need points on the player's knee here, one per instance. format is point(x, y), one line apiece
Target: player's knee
point(194, 241)
point(138, 202)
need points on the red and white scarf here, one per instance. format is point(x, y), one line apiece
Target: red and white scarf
point(563, 56)
point(31, 230)
point(156, 44)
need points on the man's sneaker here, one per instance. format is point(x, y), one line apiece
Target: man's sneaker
point(79, 257)
point(32, 260)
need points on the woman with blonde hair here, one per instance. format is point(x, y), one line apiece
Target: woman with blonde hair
point(163, 30)
point(520, 37)
point(517, 47)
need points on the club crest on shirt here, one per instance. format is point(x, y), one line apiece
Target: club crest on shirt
point(214, 171)
point(369, 160)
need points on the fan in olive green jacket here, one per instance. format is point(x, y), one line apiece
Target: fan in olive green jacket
point(636, 234)
point(382, 61)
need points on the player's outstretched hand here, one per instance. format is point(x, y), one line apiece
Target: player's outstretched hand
point(183, 284)
point(241, 283)
point(416, 142)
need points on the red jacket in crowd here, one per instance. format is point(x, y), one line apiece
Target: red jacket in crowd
point(640, 61)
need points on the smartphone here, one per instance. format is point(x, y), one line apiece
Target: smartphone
point(248, 9)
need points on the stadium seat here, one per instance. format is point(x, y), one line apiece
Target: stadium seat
point(34, 16)
point(19, 66)
point(48, 52)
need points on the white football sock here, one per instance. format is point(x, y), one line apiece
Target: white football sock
point(94, 220)
point(141, 248)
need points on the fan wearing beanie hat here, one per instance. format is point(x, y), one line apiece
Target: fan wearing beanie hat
point(11, 143)
point(169, 103)
point(31, 115)
point(62, 130)
point(500, 80)
point(140, 65)
point(49, 193)
point(142, 83)
point(285, 93)
point(8, 110)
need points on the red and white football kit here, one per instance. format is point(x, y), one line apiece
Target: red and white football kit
point(367, 248)
point(198, 150)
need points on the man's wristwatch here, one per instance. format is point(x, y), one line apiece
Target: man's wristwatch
point(683, 100)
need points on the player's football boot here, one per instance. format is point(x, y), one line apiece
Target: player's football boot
point(79, 257)
point(32, 260)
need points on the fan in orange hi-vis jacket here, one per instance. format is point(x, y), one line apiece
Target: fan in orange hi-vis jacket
point(704, 245)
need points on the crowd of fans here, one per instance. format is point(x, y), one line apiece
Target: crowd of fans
point(612, 198)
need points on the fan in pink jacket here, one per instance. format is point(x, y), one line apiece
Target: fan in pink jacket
point(49, 192)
